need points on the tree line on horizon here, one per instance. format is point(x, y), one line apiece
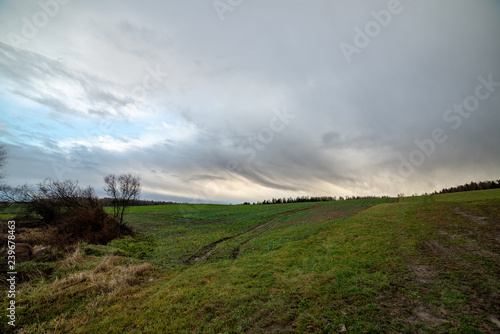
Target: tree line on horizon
point(304, 199)
point(482, 185)
point(108, 201)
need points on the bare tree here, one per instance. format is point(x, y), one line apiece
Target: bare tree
point(124, 190)
point(5, 190)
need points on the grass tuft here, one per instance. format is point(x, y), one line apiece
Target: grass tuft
point(77, 257)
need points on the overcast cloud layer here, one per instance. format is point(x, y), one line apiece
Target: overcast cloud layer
point(229, 101)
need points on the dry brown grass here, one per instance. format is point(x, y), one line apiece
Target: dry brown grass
point(37, 236)
point(109, 276)
point(72, 259)
point(107, 263)
point(108, 279)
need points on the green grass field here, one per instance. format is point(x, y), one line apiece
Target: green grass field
point(427, 264)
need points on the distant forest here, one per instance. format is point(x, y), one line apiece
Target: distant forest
point(107, 201)
point(303, 199)
point(483, 185)
point(470, 187)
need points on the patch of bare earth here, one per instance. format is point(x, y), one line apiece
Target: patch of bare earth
point(471, 217)
point(460, 258)
point(424, 315)
point(423, 273)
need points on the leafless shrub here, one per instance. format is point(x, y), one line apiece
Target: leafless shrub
point(123, 190)
point(75, 213)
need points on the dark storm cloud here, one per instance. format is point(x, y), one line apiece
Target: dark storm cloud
point(354, 122)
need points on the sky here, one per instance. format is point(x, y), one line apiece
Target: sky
point(236, 100)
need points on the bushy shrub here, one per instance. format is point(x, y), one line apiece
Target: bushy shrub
point(91, 225)
point(71, 214)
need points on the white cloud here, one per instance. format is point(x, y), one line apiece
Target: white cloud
point(83, 72)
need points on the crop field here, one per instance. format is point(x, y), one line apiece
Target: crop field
point(427, 264)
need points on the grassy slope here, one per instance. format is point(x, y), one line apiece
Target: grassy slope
point(425, 264)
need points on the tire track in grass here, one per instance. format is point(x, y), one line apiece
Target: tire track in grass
point(348, 210)
point(237, 251)
point(208, 250)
